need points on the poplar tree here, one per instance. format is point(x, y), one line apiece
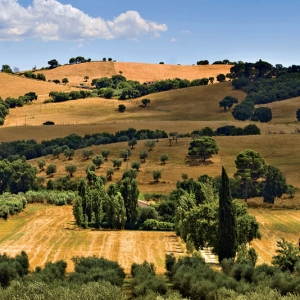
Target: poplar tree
point(227, 235)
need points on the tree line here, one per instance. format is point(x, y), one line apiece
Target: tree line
point(188, 277)
point(31, 149)
point(119, 86)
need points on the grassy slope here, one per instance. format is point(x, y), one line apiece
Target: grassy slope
point(132, 71)
point(15, 86)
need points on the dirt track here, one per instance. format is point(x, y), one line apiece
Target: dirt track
point(50, 235)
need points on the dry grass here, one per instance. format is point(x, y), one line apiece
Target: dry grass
point(132, 71)
point(275, 224)
point(15, 86)
point(48, 233)
point(281, 151)
point(200, 103)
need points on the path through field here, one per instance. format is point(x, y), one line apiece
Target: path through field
point(48, 233)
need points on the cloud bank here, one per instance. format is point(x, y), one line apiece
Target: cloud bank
point(51, 20)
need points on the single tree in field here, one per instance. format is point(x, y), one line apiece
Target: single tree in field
point(250, 168)
point(41, 164)
point(121, 108)
point(69, 153)
point(143, 155)
point(86, 78)
point(87, 153)
point(227, 102)
point(125, 154)
point(150, 144)
point(135, 165)
point(204, 147)
point(71, 168)
point(117, 163)
point(227, 240)
point(164, 158)
point(132, 142)
point(211, 80)
point(51, 169)
point(105, 153)
point(156, 175)
point(109, 174)
point(298, 114)
point(145, 102)
point(98, 160)
point(274, 184)
point(65, 80)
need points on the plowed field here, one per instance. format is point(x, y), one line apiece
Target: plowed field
point(48, 233)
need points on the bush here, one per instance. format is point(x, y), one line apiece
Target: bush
point(49, 123)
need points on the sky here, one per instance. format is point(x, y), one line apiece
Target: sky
point(32, 32)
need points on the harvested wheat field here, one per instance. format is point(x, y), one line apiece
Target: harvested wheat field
point(275, 224)
point(48, 233)
point(15, 86)
point(141, 72)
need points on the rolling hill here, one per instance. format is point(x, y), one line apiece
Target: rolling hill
point(141, 72)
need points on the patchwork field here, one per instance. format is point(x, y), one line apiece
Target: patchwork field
point(48, 233)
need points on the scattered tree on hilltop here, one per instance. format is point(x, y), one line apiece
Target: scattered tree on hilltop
point(53, 63)
point(6, 69)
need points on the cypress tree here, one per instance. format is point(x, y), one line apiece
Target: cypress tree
point(227, 240)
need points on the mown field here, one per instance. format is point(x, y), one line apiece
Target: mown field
point(48, 233)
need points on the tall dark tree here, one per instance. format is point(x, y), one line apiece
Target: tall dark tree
point(130, 192)
point(274, 184)
point(227, 237)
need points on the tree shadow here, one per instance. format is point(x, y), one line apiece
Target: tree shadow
point(196, 161)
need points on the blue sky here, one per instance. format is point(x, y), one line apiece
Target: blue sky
point(32, 32)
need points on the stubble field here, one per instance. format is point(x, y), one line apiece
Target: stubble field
point(48, 233)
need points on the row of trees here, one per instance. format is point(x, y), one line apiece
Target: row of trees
point(31, 149)
point(188, 276)
point(73, 95)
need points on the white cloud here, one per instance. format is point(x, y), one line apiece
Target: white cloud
point(185, 31)
point(174, 40)
point(51, 20)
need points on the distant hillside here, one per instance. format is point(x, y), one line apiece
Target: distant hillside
point(141, 72)
point(15, 86)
